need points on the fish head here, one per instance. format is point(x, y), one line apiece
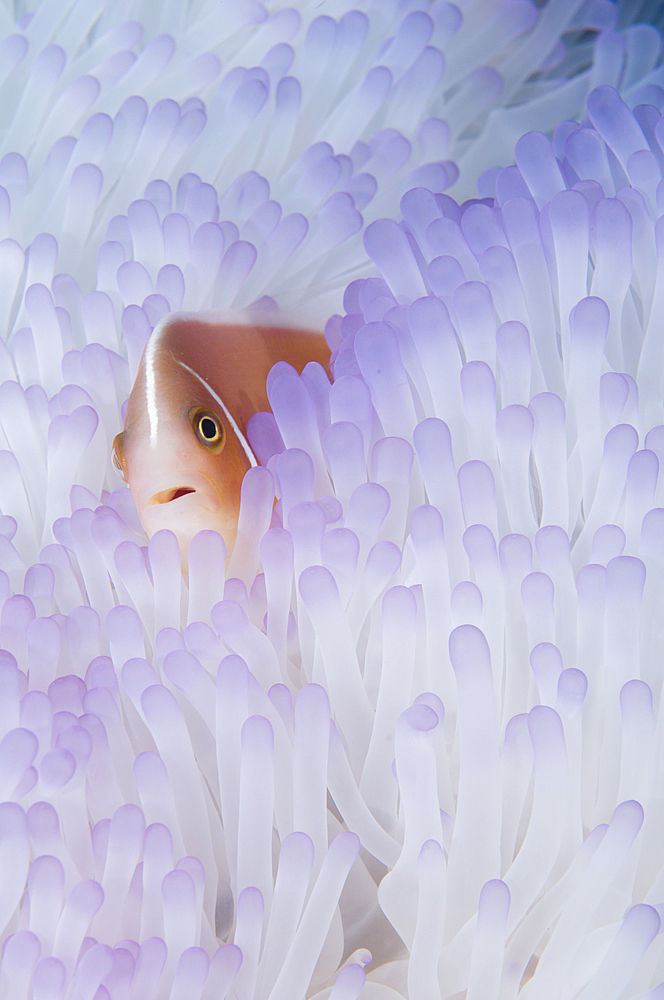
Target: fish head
point(181, 454)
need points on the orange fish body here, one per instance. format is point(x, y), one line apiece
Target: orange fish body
point(184, 450)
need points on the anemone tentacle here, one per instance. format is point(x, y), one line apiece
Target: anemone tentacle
point(407, 744)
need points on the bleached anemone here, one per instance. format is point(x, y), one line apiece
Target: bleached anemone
point(424, 695)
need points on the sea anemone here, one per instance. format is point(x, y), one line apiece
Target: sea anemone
point(407, 743)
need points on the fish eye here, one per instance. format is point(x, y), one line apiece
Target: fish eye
point(117, 456)
point(208, 429)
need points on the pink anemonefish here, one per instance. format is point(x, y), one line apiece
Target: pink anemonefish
point(184, 451)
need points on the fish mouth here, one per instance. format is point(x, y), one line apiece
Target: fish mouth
point(167, 496)
point(184, 504)
point(177, 492)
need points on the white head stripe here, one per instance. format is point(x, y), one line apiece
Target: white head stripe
point(242, 439)
point(151, 391)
